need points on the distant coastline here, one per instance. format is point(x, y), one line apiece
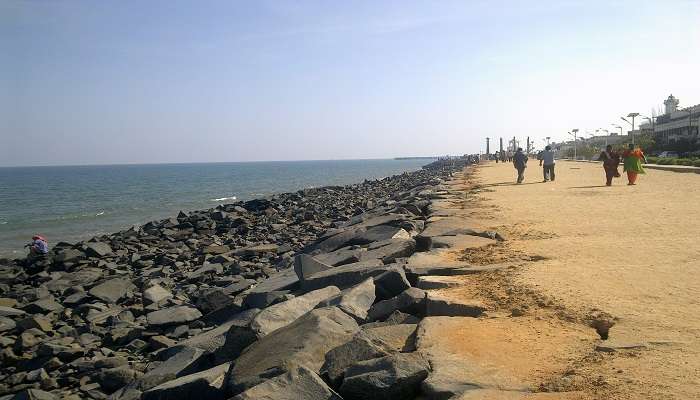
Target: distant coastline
point(415, 158)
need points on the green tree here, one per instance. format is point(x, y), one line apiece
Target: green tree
point(646, 142)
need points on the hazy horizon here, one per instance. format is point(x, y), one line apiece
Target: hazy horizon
point(218, 162)
point(104, 83)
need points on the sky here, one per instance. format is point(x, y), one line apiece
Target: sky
point(108, 82)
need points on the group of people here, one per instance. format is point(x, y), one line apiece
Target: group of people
point(503, 156)
point(633, 158)
point(546, 158)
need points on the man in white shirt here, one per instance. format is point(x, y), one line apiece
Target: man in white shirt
point(547, 163)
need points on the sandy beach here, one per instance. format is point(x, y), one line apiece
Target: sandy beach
point(628, 255)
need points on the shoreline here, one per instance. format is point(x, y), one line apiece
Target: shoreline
point(183, 187)
point(206, 288)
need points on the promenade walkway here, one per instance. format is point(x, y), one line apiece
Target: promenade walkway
point(584, 255)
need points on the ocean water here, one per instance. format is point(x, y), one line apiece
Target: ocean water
point(72, 203)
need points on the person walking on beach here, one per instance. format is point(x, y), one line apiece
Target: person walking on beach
point(611, 160)
point(547, 163)
point(520, 163)
point(633, 158)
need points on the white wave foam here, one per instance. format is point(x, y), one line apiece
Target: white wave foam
point(224, 198)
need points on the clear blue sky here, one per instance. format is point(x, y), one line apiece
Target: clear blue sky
point(95, 82)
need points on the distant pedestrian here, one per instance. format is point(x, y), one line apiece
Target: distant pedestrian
point(633, 158)
point(547, 163)
point(38, 247)
point(520, 163)
point(611, 160)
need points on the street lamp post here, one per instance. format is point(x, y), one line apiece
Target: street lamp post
point(607, 134)
point(575, 131)
point(631, 115)
point(651, 121)
point(618, 127)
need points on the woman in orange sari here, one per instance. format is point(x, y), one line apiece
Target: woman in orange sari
point(633, 158)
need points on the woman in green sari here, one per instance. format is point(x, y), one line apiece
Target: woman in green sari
point(633, 158)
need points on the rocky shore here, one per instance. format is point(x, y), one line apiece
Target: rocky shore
point(306, 295)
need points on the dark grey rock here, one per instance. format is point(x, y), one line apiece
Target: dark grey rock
point(411, 301)
point(280, 281)
point(43, 306)
point(345, 255)
point(303, 342)
point(214, 341)
point(297, 384)
point(33, 394)
point(265, 299)
point(394, 377)
point(341, 357)
point(390, 250)
point(398, 337)
point(98, 249)
point(212, 299)
point(69, 255)
point(155, 294)
point(227, 341)
point(239, 286)
point(282, 314)
point(344, 276)
point(182, 363)
point(113, 290)
point(355, 301)
point(390, 283)
point(305, 266)
point(173, 315)
point(10, 312)
point(338, 240)
point(397, 317)
point(376, 234)
point(112, 379)
point(203, 385)
point(35, 322)
point(7, 324)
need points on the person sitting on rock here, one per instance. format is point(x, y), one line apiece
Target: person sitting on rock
point(38, 247)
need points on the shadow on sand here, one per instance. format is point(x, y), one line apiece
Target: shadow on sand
point(510, 184)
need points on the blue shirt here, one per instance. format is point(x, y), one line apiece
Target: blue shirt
point(547, 157)
point(41, 246)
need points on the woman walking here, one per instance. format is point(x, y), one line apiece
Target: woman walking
point(633, 163)
point(610, 161)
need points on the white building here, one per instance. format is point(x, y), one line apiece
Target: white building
point(675, 124)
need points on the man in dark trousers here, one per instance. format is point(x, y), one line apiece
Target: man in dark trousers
point(547, 163)
point(520, 163)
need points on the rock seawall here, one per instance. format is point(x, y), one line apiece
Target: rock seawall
point(303, 295)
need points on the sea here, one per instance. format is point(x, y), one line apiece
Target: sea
point(73, 203)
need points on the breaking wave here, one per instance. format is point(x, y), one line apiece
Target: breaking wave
point(224, 198)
